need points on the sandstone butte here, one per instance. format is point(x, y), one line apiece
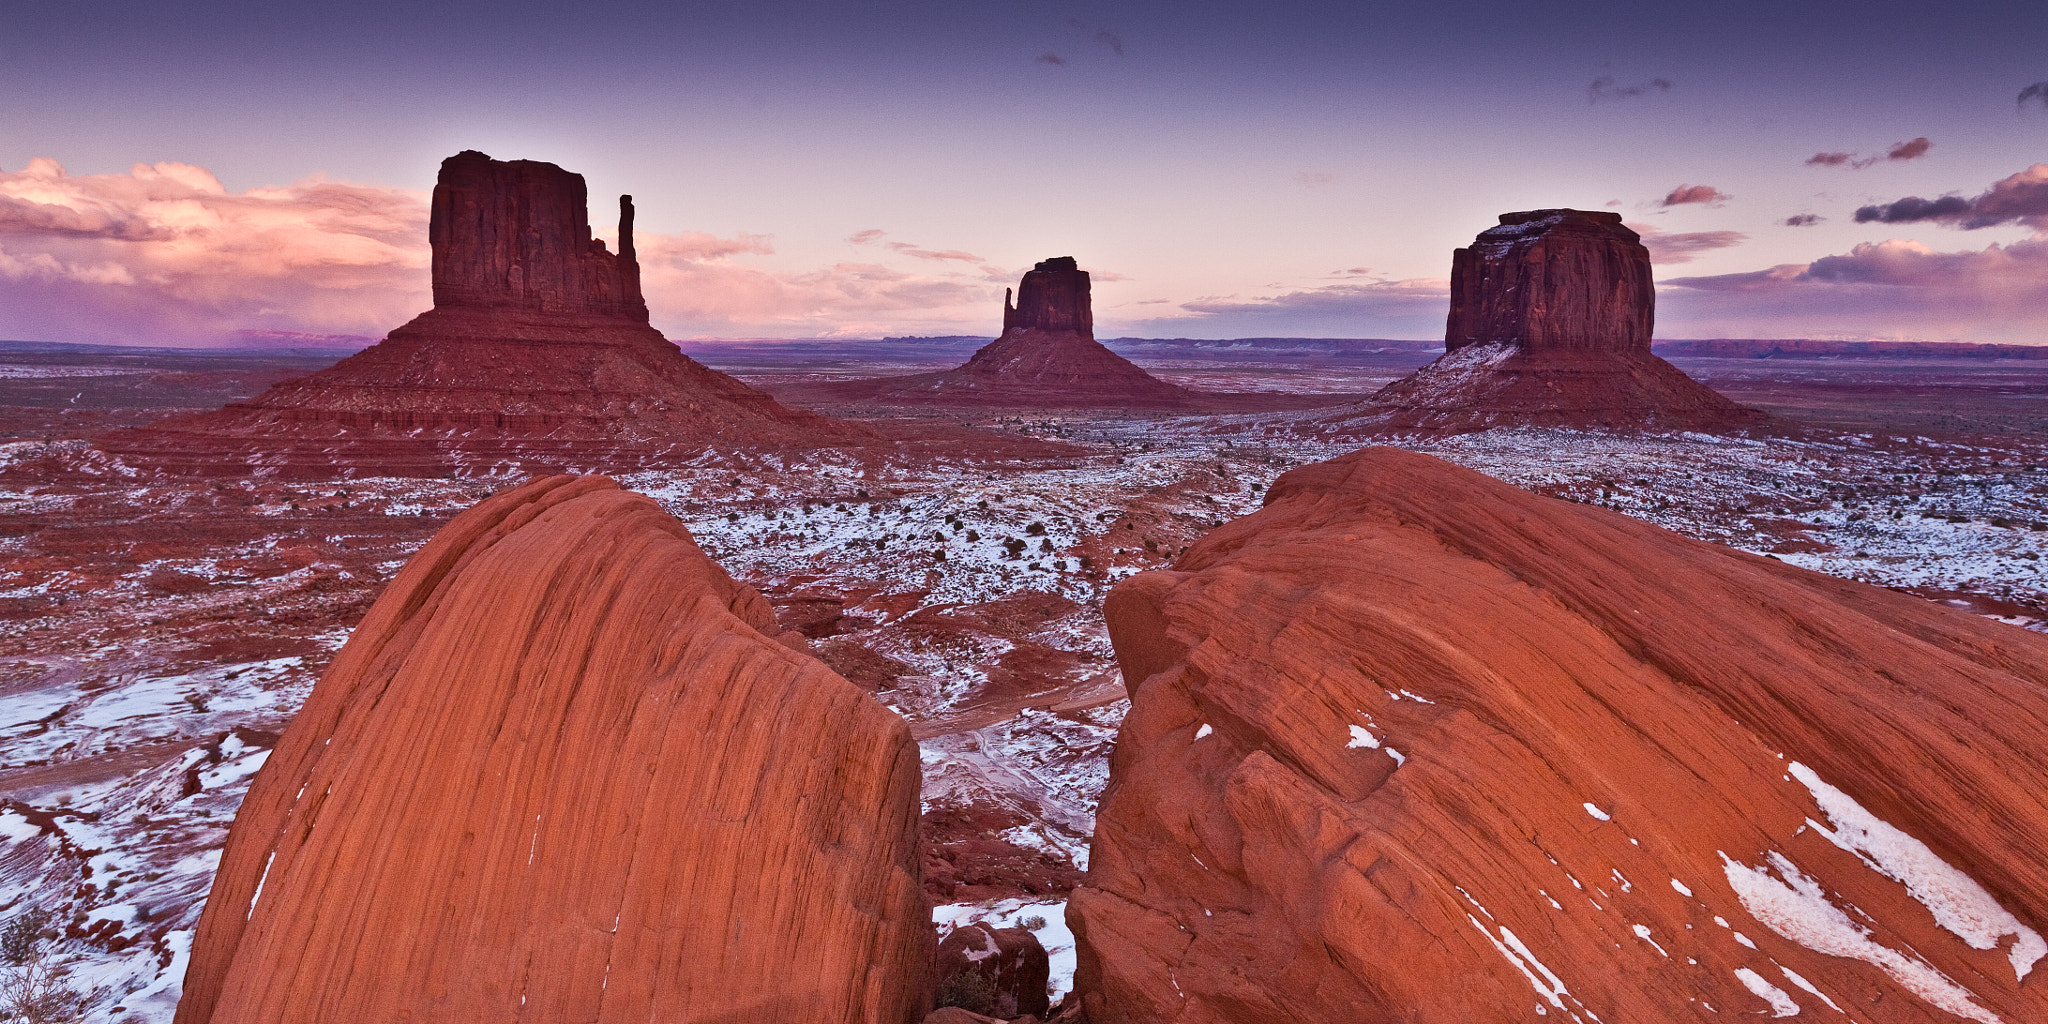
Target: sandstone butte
point(537, 353)
point(1410, 744)
point(1046, 358)
point(1550, 322)
point(567, 770)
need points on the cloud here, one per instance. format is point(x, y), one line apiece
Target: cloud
point(2037, 92)
point(1111, 40)
point(1355, 308)
point(1895, 288)
point(1803, 220)
point(1911, 149)
point(1604, 88)
point(165, 254)
point(1684, 246)
point(1314, 178)
point(864, 237)
point(1684, 194)
point(1054, 59)
point(2019, 198)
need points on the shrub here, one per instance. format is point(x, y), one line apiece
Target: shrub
point(969, 990)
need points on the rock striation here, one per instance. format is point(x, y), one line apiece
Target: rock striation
point(1410, 744)
point(537, 354)
point(1046, 358)
point(566, 769)
point(1550, 320)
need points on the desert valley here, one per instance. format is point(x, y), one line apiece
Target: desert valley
point(1549, 672)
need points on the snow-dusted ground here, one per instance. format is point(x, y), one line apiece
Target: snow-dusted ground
point(1015, 708)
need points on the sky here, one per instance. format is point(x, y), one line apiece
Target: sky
point(187, 174)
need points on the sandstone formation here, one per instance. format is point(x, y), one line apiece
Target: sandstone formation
point(1410, 744)
point(1046, 358)
point(567, 770)
point(537, 353)
point(1011, 961)
point(1549, 325)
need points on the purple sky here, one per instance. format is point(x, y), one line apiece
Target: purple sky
point(171, 174)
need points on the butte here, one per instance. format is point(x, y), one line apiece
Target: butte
point(1550, 321)
point(537, 355)
point(1046, 358)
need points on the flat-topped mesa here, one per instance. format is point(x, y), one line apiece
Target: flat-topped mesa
point(1553, 280)
point(516, 234)
point(1052, 297)
point(1551, 313)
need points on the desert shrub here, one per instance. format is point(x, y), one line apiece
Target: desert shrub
point(1032, 923)
point(34, 987)
point(969, 990)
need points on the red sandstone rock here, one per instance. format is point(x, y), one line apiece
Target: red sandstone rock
point(1046, 358)
point(1410, 744)
point(1012, 960)
point(1550, 322)
point(537, 353)
point(567, 770)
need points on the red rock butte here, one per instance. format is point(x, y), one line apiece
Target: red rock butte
point(1550, 322)
point(538, 353)
point(567, 770)
point(1411, 744)
point(1046, 358)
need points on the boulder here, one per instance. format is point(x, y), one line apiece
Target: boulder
point(537, 354)
point(567, 770)
point(1549, 326)
point(1011, 960)
point(1410, 744)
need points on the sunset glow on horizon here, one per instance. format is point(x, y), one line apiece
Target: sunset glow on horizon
point(183, 175)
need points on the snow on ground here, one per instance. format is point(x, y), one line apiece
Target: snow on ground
point(1050, 916)
point(981, 583)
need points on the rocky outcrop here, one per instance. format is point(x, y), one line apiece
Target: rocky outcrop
point(566, 769)
point(1551, 313)
point(1046, 358)
point(516, 234)
point(537, 354)
point(1410, 744)
point(1010, 962)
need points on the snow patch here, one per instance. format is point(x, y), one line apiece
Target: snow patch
point(1781, 1003)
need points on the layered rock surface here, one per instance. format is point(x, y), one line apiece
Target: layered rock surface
point(537, 353)
point(566, 769)
point(1550, 320)
point(1046, 358)
point(1410, 744)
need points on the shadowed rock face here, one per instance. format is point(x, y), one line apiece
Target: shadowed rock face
point(567, 770)
point(1052, 297)
point(1551, 313)
point(516, 234)
point(537, 353)
point(1410, 744)
point(1553, 280)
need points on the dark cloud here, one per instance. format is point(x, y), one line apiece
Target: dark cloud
point(1894, 288)
point(1111, 40)
point(1909, 150)
point(2037, 92)
point(1054, 59)
point(1803, 220)
point(1685, 194)
point(1356, 307)
point(1605, 88)
point(2021, 198)
point(1685, 246)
